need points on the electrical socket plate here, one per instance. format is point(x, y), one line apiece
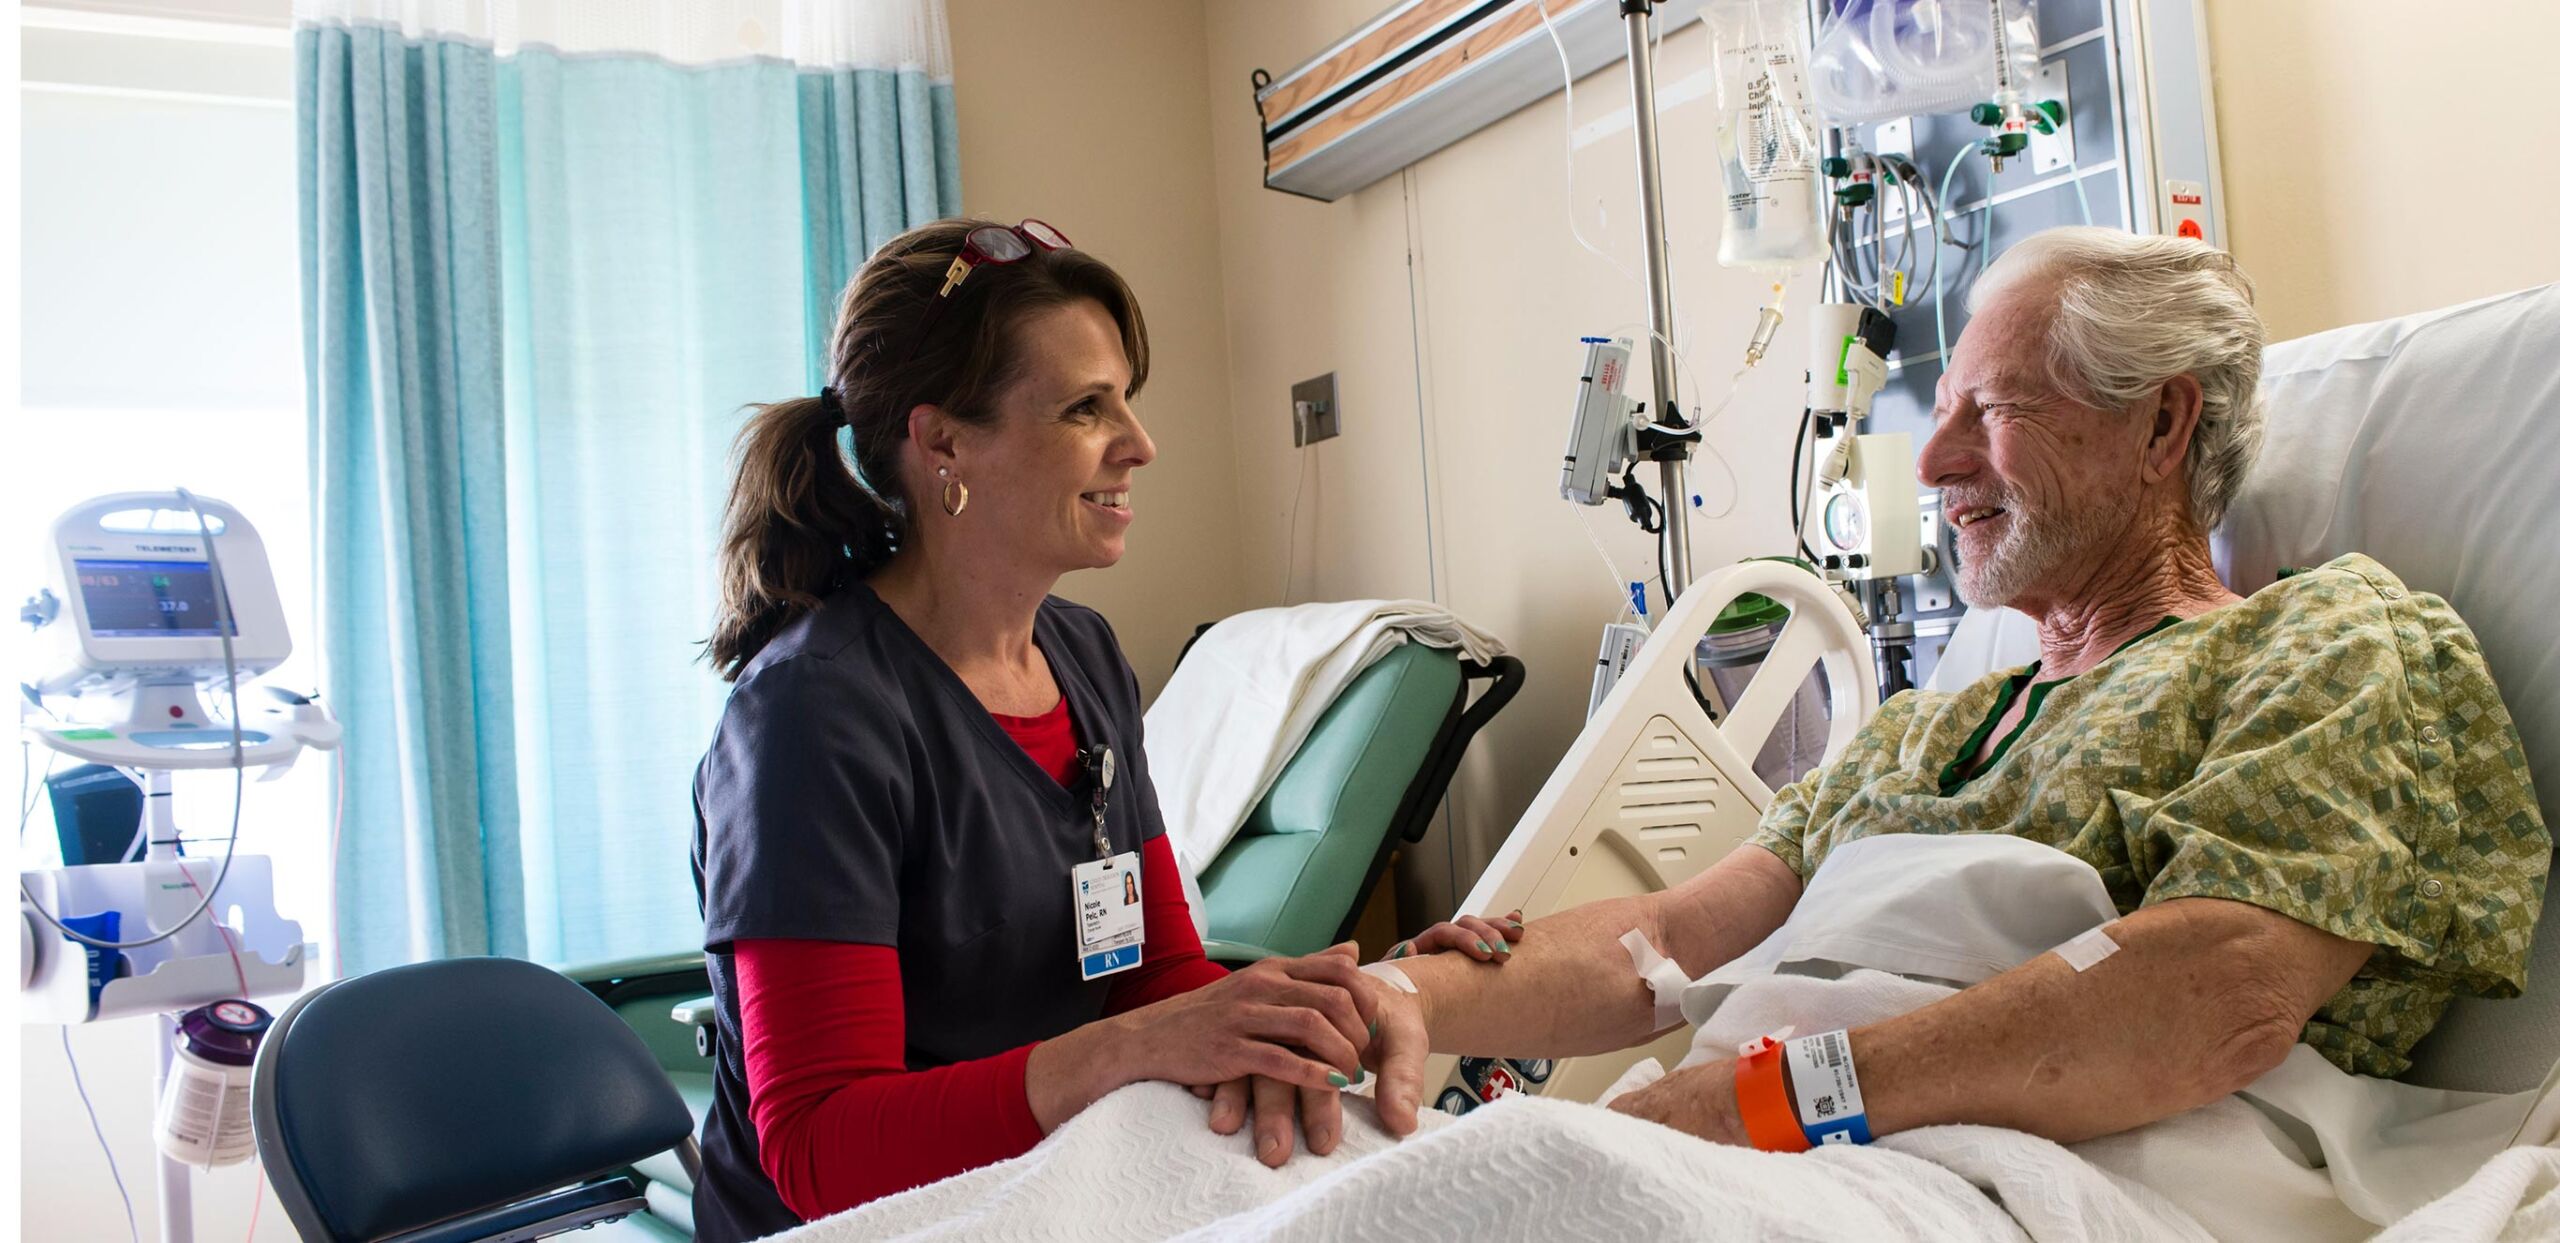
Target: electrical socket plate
point(2055, 151)
point(1315, 411)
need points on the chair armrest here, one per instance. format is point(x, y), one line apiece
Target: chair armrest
point(1235, 953)
point(593, 974)
point(702, 1014)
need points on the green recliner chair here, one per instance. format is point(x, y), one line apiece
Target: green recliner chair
point(652, 995)
point(1368, 777)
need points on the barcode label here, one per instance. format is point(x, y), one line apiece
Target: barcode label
point(1826, 1084)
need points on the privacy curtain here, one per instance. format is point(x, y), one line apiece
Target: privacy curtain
point(549, 250)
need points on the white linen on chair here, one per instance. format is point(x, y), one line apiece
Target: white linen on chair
point(2430, 443)
point(1251, 690)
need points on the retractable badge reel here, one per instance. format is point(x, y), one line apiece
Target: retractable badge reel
point(1111, 925)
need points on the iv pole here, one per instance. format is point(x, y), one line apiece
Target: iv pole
point(1671, 455)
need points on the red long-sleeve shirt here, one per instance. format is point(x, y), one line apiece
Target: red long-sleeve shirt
point(839, 1118)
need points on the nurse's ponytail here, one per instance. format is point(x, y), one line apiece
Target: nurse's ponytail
point(817, 501)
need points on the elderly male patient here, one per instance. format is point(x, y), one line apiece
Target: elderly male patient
point(2308, 805)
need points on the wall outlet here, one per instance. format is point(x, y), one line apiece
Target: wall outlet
point(1315, 411)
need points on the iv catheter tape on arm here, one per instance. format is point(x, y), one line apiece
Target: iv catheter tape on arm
point(2087, 949)
point(1393, 975)
point(1662, 975)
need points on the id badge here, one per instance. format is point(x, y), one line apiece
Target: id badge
point(1111, 915)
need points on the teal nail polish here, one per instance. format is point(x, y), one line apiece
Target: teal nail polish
point(1482, 946)
point(1516, 925)
point(1373, 1029)
point(1402, 948)
point(1360, 1076)
point(1335, 1078)
point(1501, 946)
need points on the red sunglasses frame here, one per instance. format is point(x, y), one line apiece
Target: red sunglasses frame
point(993, 245)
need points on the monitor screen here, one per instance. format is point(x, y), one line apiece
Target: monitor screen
point(150, 599)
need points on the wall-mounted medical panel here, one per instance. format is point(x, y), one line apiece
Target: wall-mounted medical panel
point(2136, 81)
point(1425, 74)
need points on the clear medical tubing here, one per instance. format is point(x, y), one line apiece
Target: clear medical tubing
point(1775, 209)
point(1877, 60)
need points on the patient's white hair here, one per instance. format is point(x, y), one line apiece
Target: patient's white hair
point(2133, 310)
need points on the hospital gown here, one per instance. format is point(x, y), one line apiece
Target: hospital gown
point(2331, 748)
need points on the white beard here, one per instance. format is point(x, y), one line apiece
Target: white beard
point(2033, 549)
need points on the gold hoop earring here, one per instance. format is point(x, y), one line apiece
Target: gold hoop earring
point(950, 506)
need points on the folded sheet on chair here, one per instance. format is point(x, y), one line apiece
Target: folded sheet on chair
point(1250, 692)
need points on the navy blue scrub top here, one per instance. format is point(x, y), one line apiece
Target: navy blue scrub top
point(856, 790)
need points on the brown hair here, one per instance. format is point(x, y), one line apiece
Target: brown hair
point(802, 519)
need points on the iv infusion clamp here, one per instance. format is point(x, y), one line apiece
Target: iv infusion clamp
point(1863, 519)
point(1609, 436)
point(1602, 441)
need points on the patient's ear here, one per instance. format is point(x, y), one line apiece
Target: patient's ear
point(2173, 428)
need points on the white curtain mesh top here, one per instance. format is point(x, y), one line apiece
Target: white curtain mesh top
point(863, 34)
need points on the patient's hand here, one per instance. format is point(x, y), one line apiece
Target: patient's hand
point(1485, 940)
point(1698, 1100)
point(1281, 1113)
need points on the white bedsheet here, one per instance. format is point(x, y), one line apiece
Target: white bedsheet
point(2307, 1153)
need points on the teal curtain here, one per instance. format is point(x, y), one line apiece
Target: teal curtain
point(538, 288)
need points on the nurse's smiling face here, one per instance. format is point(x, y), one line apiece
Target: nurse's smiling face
point(1049, 477)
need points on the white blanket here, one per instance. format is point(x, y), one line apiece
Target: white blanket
point(1250, 691)
point(1141, 1164)
point(2307, 1153)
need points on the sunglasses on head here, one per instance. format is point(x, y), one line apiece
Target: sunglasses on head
point(991, 245)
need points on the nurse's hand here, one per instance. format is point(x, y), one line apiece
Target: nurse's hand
point(1300, 1022)
point(1485, 940)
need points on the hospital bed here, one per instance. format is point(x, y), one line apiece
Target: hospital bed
point(2428, 442)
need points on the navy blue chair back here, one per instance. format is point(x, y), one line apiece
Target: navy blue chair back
point(470, 1098)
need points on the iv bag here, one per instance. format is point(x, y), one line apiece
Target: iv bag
point(1773, 196)
point(1877, 60)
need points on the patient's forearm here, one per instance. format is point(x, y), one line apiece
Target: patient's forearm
point(2203, 997)
point(1569, 988)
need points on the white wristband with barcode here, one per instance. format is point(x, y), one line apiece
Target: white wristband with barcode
point(1825, 1081)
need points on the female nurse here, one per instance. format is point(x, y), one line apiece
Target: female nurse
point(927, 799)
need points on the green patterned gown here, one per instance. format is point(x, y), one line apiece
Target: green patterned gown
point(2331, 748)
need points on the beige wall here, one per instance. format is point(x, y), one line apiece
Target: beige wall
point(2380, 157)
point(1456, 370)
point(1094, 123)
point(1457, 375)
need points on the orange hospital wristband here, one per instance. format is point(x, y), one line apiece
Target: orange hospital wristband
point(1760, 1088)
